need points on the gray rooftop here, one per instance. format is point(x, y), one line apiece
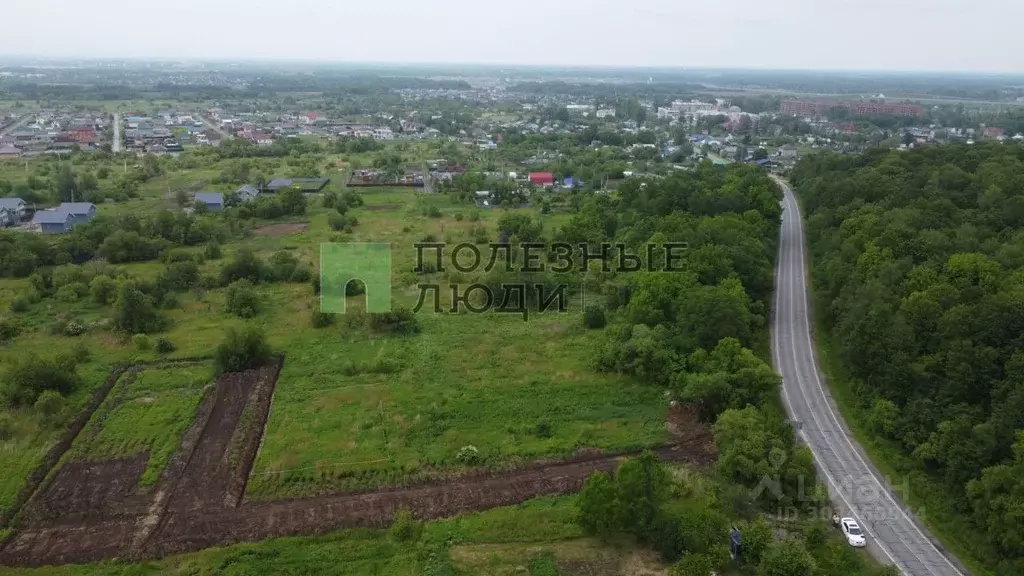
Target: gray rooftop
point(210, 197)
point(76, 207)
point(11, 203)
point(51, 217)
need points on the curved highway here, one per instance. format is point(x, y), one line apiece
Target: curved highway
point(857, 490)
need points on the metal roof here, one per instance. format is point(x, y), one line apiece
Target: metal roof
point(51, 217)
point(76, 207)
point(210, 197)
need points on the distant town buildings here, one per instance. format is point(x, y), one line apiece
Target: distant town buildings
point(812, 108)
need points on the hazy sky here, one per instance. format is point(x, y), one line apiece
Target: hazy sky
point(961, 35)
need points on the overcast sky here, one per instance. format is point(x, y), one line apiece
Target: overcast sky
point(960, 35)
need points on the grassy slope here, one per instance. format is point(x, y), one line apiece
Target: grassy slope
point(487, 380)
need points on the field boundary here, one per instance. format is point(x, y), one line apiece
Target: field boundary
point(67, 438)
point(199, 500)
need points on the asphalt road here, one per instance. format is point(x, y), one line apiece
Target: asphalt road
point(213, 126)
point(857, 490)
point(115, 144)
point(17, 124)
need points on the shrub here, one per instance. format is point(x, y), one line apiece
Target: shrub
point(241, 350)
point(282, 264)
point(468, 455)
point(322, 319)
point(459, 216)
point(474, 216)
point(19, 304)
point(542, 430)
point(49, 404)
point(72, 292)
point(434, 212)
point(397, 321)
point(141, 342)
point(242, 300)
point(815, 536)
point(302, 273)
point(330, 199)
point(212, 251)
point(405, 528)
point(68, 274)
point(342, 223)
point(9, 329)
point(342, 209)
point(246, 265)
point(180, 275)
point(74, 328)
point(29, 376)
point(103, 290)
point(164, 345)
point(134, 312)
point(593, 317)
point(351, 199)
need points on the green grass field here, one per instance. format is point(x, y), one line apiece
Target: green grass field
point(352, 409)
point(150, 416)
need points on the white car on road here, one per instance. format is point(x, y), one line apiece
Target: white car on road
point(854, 535)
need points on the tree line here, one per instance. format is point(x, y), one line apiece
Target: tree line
point(699, 332)
point(919, 273)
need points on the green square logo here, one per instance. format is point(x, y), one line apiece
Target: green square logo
point(342, 262)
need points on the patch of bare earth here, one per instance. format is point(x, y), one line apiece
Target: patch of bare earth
point(198, 502)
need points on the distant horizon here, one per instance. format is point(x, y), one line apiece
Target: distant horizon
point(5, 59)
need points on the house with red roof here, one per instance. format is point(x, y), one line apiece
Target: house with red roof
point(542, 178)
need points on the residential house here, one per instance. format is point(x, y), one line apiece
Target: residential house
point(483, 199)
point(214, 201)
point(16, 206)
point(80, 211)
point(542, 178)
point(7, 217)
point(788, 151)
point(54, 221)
point(993, 132)
point(569, 183)
point(247, 193)
point(9, 152)
point(262, 139)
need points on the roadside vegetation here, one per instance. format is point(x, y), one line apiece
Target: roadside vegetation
point(918, 273)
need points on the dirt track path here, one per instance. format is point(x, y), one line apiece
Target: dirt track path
point(201, 508)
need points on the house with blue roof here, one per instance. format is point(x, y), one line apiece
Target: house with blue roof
point(80, 212)
point(214, 201)
point(54, 221)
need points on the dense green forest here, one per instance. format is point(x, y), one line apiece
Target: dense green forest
point(694, 330)
point(919, 274)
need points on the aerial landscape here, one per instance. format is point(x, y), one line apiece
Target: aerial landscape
point(333, 305)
